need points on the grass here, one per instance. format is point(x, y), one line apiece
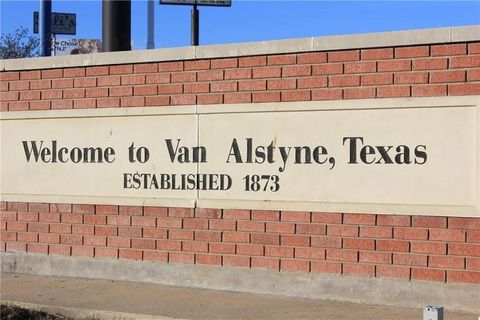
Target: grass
point(10, 312)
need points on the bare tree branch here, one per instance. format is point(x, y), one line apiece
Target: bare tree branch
point(19, 44)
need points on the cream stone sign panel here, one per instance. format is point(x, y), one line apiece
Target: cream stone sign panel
point(415, 156)
point(93, 157)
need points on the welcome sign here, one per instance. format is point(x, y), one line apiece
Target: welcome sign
point(393, 156)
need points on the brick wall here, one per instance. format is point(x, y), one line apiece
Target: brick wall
point(443, 249)
point(418, 71)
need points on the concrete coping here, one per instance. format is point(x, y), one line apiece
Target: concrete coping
point(340, 42)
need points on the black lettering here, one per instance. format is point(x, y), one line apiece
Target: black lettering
point(33, 149)
point(318, 152)
point(54, 153)
point(365, 152)
point(127, 181)
point(165, 181)
point(383, 150)
point(136, 181)
point(143, 154)
point(298, 155)
point(225, 182)
point(260, 154)
point(199, 154)
point(171, 152)
point(403, 156)
point(153, 182)
point(213, 182)
point(270, 150)
point(92, 155)
point(284, 155)
point(235, 152)
point(61, 153)
point(190, 182)
point(131, 153)
point(249, 150)
point(420, 154)
point(44, 154)
point(353, 148)
point(76, 155)
point(109, 152)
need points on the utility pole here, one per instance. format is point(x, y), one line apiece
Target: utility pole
point(46, 27)
point(151, 24)
point(195, 32)
point(116, 25)
point(195, 14)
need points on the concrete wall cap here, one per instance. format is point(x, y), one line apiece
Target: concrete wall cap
point(465, 33)
point(80, 60)
point(255, 48)
point(383, 39)
point(142, 56)
point(339, 42)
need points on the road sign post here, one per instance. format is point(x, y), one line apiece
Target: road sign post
point(46, 27)
point(116, 25)
point(195, 26)
point(195, 14)
point(150, 24)
point(53, 23)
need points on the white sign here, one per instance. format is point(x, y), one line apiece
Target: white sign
point(76, 46)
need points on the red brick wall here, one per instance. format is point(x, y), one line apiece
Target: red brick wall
point(418, 71)
point(399, 246)
point(445, 249)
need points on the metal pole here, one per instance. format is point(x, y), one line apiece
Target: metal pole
point(54, 44)
point(151, 24)
point(46, 27)
point(195, 26)
point(116, 25)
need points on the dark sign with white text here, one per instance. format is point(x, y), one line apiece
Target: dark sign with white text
point(62, 23)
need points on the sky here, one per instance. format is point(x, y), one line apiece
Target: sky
point(247, 20)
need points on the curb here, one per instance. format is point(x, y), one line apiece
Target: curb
point(80, 313)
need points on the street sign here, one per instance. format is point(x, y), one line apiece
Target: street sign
point(195, 15)
point(219, 3)
point(62, 23)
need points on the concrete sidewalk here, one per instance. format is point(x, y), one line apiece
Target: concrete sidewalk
point(126, 300)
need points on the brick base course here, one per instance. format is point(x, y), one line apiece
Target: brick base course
point(444, 249)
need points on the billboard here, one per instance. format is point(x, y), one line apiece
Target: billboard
point(64, 47)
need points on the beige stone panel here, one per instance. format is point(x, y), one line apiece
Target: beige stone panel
point(70, 181)
point(448, 178)
point(96, 113)
point(447, 184)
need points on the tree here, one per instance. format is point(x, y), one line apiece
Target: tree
point(19, 44)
